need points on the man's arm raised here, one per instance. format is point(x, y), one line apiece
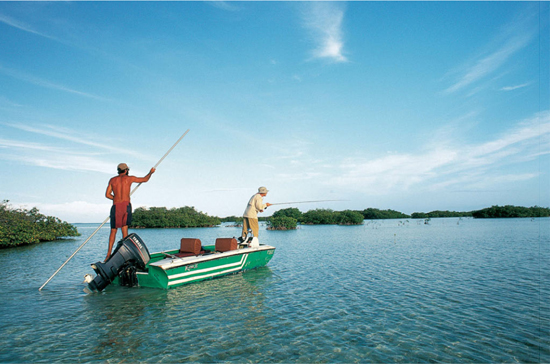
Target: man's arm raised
point(146, 178)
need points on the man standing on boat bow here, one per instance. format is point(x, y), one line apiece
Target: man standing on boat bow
point(118, 190)
point(250, 216)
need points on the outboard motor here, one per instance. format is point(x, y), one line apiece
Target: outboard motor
point(131, 254)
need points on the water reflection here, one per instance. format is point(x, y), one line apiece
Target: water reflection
point(138, 323)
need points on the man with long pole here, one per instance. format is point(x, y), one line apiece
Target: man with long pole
point(118, 190)
point(107, 219)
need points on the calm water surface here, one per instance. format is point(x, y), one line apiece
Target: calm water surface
point(455, 290)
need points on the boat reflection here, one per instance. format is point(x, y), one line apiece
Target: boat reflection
point(131, 322)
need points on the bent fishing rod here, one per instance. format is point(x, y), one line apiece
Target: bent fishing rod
point(107, 219)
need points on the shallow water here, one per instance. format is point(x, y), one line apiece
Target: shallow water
point(453, 290)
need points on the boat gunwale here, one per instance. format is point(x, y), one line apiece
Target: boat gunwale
point(172, 263)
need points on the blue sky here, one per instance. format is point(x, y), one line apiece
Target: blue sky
point(411, 106)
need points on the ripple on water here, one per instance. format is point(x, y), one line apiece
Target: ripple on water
point(473, 292)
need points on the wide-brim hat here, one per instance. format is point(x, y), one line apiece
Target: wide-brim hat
point(262, 190)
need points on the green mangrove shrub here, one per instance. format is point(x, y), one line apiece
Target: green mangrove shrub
point(349, 217)
point(23, 227)
point(289, 212)
point(511, 211)
point(376, 214)
point(282, 223)
point(161, 217)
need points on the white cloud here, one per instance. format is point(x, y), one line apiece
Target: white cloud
point(5, 143)
point(73, 212)
point(512, 88)
point(513, 38)
point(488, 64)
point(324, 21)
point(444, 165)
point(224, 5)
point(41, 155)
point(62, 155)
point(301, 176)
point(72, 136)
point(398, 171)
point(22, 26)
point(44, 83)
point(7, 103)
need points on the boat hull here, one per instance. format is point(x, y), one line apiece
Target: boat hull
point(168, 272)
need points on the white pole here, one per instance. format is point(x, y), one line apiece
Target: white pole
point(107, 219)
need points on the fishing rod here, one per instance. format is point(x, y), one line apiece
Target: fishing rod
point(107, 219)
point(292, 203)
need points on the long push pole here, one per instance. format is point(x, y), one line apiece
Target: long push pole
point(107, 219)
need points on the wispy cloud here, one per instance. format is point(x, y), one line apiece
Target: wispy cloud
point(224, 5)
point(42, 155)
point(513, 38)
point(70, 135)
point(229, 189)
point(489, 64)
point(74, 212)
point(512, 88)
point(5, 102)
point(324, 21)
point(6, 143)
point(24, 27)
point(71, 36)
point(59, 155)
point(44, 83)
point(446, 166)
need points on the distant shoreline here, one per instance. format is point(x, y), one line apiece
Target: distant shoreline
point(415, 218)
point(494, 212)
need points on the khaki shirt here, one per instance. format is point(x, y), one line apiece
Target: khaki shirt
point(255, 205)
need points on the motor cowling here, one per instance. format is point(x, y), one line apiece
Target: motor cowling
point(131, 253)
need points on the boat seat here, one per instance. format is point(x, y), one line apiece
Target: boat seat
point(189, 247)
point(226, 244)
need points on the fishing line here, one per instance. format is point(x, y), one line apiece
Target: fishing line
point(295, 202)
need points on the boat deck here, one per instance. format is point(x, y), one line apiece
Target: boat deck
point(168, 260)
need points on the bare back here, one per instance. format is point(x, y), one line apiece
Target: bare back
point(119, 187)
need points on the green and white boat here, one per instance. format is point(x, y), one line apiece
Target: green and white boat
point(132, 265)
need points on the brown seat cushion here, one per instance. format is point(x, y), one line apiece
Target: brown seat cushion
point(190, 246)
point(226, 244)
